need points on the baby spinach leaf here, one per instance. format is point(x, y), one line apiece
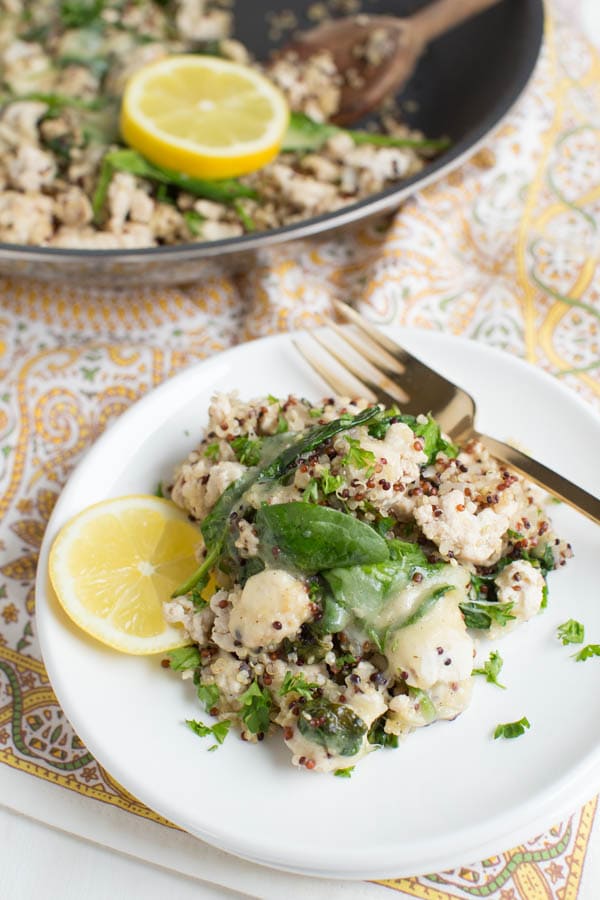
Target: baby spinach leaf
point(214, 527)
point(425, 605)
point(313, 438)
point(379, 736)
point(333, 726)
point(315, 538)
point(304, 135)
point(224, 191)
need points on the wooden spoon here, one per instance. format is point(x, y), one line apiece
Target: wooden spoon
point(377, 54)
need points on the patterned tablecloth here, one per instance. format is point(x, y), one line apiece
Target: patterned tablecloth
point(503, 251)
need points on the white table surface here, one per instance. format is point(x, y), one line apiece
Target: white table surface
point(38, 860)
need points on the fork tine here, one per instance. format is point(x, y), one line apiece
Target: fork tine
point(383, 388)
point(340, 385)
point(367, 348)
point(418, 379)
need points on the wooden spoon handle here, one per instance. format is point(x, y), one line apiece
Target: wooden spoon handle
point(443, 15)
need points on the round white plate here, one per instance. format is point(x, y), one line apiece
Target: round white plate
point(450, 794)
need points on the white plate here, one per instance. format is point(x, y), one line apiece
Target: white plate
point(450, 794)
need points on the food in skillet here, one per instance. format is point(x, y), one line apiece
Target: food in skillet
point(67, 180)
point(352, 556)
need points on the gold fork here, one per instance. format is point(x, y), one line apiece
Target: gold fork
point(392, 374)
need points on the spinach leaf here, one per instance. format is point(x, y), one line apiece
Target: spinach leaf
point(313, 438)
point(224, 191)
point(79, 13)
point(333, 726)
point(379, 736)
point(425, 605)
point(214, 527)
point(315, 538)
point(306, 135)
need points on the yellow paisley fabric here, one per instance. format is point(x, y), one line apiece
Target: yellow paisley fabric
point(503, 251)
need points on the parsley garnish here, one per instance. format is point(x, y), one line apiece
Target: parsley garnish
point(481, 615)
point(346, 659)
point(311, 491)
point(219, 730)
point(272, 399)
point(297, 684)
point(256, 706)
point(209, 695)
point(315, 413)
point(184, 658)
point(587, 652)
point(247, 450)
point(159, 490)
point(79, 13)
point(512, 729)
point(570, 632)
point(331, 483)
point(357, 456)
point(212, 450)
point(282, 425)
point(491, 669)
point(344, 773)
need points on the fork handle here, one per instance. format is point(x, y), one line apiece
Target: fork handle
point(551, 481)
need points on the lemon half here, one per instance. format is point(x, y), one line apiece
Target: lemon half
point(203, 116)
point(113, 564)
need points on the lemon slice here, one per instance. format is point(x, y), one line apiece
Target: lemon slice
point(203, 116)
point(113, 564)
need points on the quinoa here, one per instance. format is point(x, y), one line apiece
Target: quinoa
point(64, 68)
point(353, 558)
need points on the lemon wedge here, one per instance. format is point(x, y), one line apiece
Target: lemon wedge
point(203, 116)
point(113, 564)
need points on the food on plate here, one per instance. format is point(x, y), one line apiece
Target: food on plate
point(351, 557)
point(67, 180)
point(112, 565)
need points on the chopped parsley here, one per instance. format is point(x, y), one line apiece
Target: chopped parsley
point(491, 669)
point(344, 773)
point(331, 483)
point(212, 451)
point(184, 658)
point(193, 220)
point(79, 13)
point(159, 490)
point(587, 652)
point(357, 456)
point(256, 708)
point(219, 730)
point(481, 615)
point(511, 730)
point(570, 632)
point(316, 412)
point(297, 684)
point(209, 695)
point(247, 449)
point(282, 425)
point(311, 491)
